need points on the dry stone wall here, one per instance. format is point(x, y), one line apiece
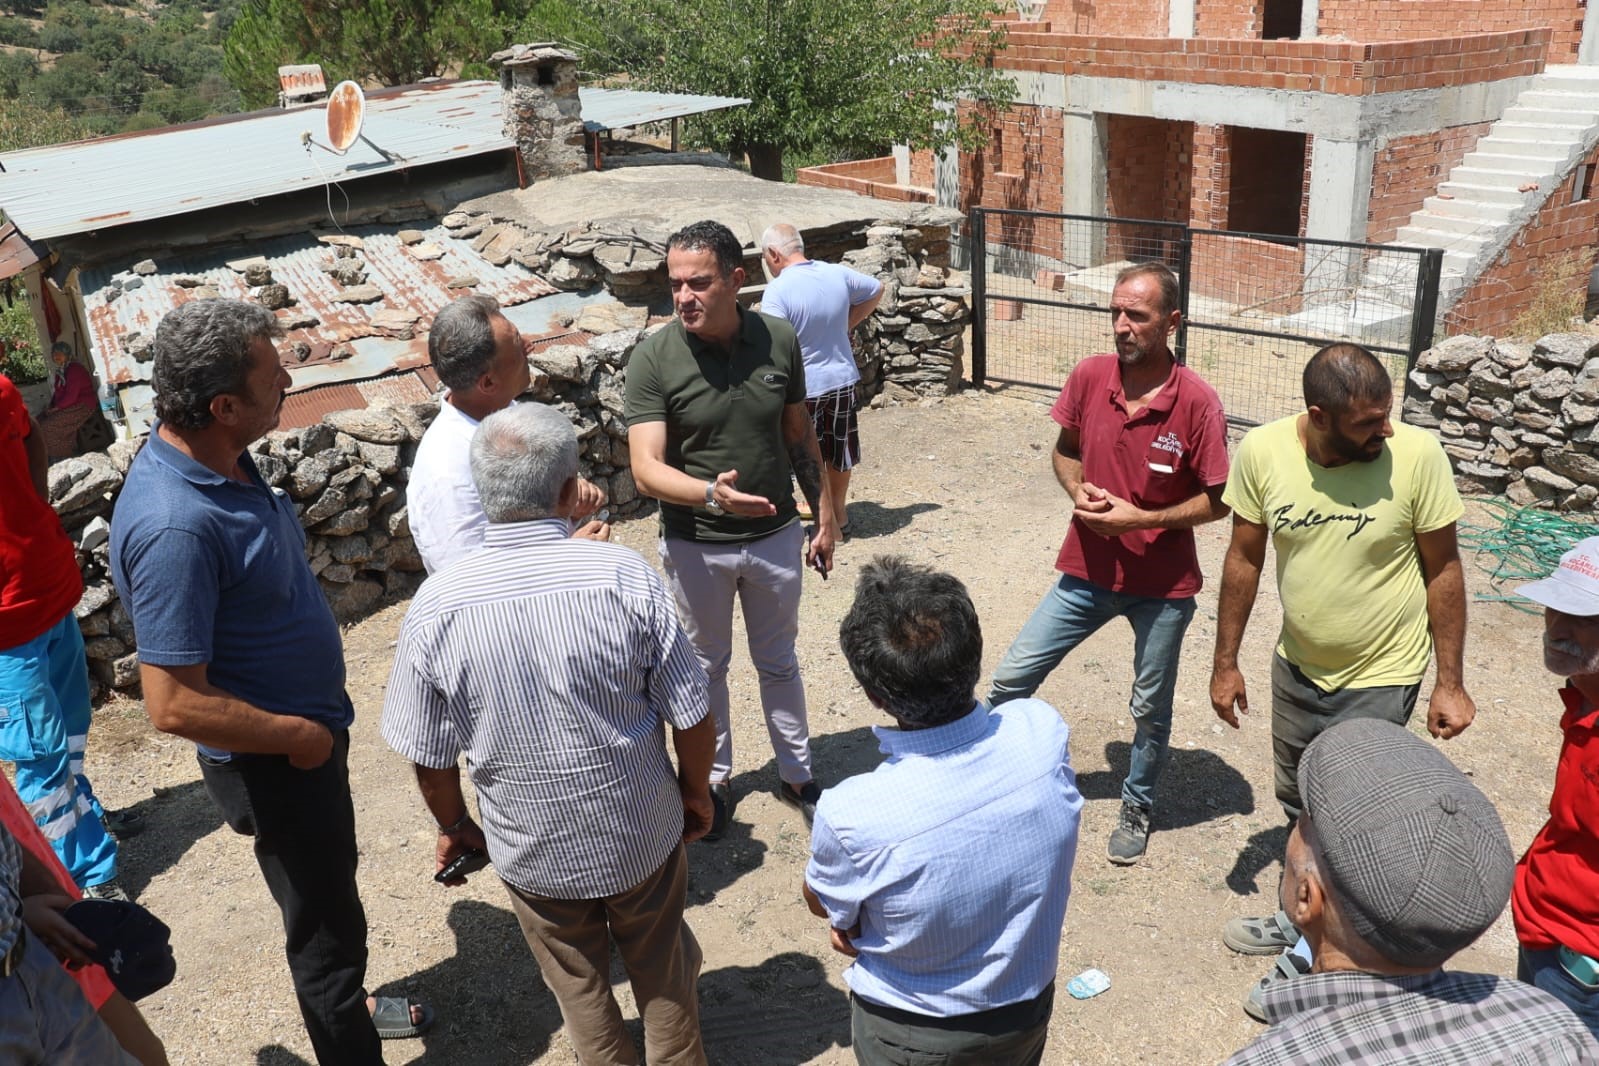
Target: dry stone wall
point(347, 474)
point(1518, 419)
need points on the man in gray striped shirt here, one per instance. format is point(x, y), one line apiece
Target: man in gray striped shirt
point(555, 664)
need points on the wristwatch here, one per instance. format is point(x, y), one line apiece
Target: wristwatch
point(710, 499)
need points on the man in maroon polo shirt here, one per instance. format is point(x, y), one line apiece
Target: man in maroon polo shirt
point(1556, 896)
point(1142, 453)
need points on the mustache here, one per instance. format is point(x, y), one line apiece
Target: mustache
point(1569, 648)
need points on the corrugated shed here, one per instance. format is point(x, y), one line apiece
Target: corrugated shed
point(614, 109)
point(85, 186)
point(89, 185)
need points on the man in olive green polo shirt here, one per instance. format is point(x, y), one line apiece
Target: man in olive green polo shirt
point(716, 424)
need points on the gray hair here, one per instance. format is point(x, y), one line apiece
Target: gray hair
point(783, 239)
point(521, 457)
point(202, 351)
point(461, 340)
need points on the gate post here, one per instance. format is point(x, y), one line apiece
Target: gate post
point(978, 254)
point(1424, 308)
point(1185, 259)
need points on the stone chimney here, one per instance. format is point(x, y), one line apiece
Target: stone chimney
point(538, 96)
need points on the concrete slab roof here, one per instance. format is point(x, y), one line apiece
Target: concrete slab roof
point(660, 199)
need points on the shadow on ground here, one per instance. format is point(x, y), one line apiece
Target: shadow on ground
point(490, 1003)
point(780, 1013)
point(718, 864)
point(1196, 786)
point(493, 1009)
point(174, 819)
point(868, 519)
point(1261, 850)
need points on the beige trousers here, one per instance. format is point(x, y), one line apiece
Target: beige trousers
point(571, 941)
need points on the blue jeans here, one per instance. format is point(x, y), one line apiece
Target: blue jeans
point(1542, 969)
point(44, 724)
point(1069, 614)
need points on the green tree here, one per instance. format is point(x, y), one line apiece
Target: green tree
point(27, 125)
point(391, 42)
point(833, 78)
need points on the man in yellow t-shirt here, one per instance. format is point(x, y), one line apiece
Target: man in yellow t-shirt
point(1361, 513)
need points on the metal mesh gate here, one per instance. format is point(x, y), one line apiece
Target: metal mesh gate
point(1254, 306)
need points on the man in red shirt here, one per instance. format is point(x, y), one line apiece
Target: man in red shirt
point(1556, 897)
point(1142, 453)
point(44, 681)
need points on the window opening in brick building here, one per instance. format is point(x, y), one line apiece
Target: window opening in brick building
point(1582, 188)
point(1281, 19)
point(1267, 181)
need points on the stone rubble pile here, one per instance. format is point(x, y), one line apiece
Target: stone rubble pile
point(1517, 419)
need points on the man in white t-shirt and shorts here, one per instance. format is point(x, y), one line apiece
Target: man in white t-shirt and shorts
point(824, 302)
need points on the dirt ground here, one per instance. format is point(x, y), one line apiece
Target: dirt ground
point(963, 484)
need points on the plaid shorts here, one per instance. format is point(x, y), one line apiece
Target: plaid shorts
point(833, 414)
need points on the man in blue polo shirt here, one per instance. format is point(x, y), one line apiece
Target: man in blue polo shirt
point(239, 652)
point(944, 873)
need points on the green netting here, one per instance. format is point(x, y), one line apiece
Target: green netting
point(1524, 545)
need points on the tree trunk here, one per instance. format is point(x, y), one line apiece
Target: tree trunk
point(766, 160)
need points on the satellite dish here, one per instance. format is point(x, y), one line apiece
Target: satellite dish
point(346, 113)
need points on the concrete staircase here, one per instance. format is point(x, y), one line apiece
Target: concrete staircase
point(1496, 189)
point(1473, 215)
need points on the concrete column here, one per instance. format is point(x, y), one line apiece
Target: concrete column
point(947, 169)
point(1588, 50)
point(1180, 18)
point(1084, 166)
point(902, 164)
point(1309, 17)
point(1340, 196)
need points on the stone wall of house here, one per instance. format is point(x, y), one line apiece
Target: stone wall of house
point(347, 474)
point(1518, 419)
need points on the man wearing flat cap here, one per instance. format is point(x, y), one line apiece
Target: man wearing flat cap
point(1556, 898)
point(1398, 862)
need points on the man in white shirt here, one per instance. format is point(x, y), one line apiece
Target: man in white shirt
point(824, 302)
point(480, 357)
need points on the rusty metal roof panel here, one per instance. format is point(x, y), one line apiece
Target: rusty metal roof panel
point(17, 253)
point(348, 342)
point(614, 109)
point(89, 185)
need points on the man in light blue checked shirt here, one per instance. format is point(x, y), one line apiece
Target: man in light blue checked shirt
point(556, 665)
point(944, 873)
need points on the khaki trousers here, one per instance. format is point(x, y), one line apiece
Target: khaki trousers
point(571, 941)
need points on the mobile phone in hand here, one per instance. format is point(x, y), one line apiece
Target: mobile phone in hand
point(468, 862)
point(819, 566)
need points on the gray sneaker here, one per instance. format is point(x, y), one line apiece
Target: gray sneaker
point(1130, 837)
point(1287, 967)
point(1260, 936)
point(107, 890)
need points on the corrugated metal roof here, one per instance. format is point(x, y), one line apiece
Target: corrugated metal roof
point(17, 253)
point(84, 186)
point(614, 109)
point(89, 185)
point(376, 349)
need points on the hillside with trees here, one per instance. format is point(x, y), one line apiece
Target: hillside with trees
point(75, 68)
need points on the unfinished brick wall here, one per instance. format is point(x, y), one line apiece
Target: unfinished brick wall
point(1554, 253)
point(1409, 169)
point(1021, 167)
point(1208, 203)
point(868, 177)
point(1404, 20)
point(923, 169)
point(1138, 18)
point(1148, 176)
point(1227, 18)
